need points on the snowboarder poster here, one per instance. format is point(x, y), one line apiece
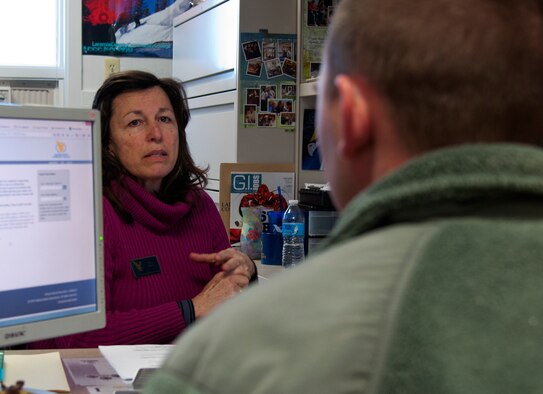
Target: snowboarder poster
point(131, 28)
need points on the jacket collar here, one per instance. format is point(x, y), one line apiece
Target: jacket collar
point(441, 180)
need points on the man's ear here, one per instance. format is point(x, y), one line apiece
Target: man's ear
point(354, 116)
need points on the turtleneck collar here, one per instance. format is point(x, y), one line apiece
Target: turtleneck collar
point(147, 209)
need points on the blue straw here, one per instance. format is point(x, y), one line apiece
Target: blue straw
point(280, 197)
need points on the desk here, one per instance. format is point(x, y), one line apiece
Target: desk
point(266, 271)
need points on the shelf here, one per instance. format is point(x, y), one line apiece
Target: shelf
point(308, 89)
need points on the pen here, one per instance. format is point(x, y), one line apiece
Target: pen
point(280, 197)
point(1, 366)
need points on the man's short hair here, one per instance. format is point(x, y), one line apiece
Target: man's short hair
point(453, 71)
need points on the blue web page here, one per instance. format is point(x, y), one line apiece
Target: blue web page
point(47, 302)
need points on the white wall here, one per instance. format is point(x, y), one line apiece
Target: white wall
point(85, 74)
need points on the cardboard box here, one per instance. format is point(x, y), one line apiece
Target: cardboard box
point(250, 181)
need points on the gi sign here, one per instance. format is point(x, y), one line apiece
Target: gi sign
point(245, 183)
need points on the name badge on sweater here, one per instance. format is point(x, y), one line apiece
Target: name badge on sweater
point(145, 266)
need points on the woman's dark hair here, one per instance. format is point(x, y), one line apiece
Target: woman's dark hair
point(185, 176)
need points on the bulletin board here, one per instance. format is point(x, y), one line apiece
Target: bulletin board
point(268, 80)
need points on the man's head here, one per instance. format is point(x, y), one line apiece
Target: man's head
point(403, 77)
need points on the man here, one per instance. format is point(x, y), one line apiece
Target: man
point(429, 113)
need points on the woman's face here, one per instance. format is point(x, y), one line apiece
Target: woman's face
point(144, 135)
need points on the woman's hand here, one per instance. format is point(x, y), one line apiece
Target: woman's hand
point(220, 288)
point(230, 260)
point(237, 269)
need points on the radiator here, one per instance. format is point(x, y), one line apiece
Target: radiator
point(28, 92)
point(35, 96)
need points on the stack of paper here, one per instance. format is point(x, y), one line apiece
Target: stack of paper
point(129, 359)
point(38, 371)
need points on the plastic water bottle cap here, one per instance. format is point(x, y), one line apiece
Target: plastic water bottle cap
point(292, 202)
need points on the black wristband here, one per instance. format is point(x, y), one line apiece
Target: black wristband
point(187, 310)
point(254, 277)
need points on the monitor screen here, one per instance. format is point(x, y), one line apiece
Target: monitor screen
point(51, 252)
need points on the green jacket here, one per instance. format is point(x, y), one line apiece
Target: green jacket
point(431, 282)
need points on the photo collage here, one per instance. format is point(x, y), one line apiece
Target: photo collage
point(268, 80)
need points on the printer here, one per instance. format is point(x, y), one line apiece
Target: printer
point(320, 215)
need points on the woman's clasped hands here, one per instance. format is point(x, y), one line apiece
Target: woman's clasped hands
point(236, 271)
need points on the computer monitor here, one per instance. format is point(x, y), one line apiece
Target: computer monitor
point(51, 251)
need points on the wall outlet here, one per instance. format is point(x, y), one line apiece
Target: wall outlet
point(111, 65)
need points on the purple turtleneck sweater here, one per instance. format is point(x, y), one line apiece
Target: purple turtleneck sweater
point(143, 308)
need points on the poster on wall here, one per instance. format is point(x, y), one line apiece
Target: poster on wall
point(130, 28)
point(268, 80)
point(317, 16)
point(311, 159)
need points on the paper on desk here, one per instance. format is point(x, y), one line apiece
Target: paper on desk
point(93, 372)
point(128, 359)
point(39, 371)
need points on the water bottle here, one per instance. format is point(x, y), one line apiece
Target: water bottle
point(293, 229)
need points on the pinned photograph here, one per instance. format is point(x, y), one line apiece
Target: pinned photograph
point(287, 119)
point(266, 120)
point(285, 49)
point(267, 92)
point(251, 50)
point(252, 96)
point(273, 68)
point(249, 114)
point(314, 69)
point(280, 105)
point(319, 12)
point(289, 68)
point(254, 68)
point(288, 90)
point(269, 49)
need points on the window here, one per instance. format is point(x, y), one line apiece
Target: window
point(32, 39)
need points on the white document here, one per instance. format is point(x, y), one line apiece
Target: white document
point(128, 359)
point(39, 371)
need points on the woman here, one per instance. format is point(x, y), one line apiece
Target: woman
point(156, 215)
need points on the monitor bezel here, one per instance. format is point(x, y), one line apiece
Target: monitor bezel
point(46, 329)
